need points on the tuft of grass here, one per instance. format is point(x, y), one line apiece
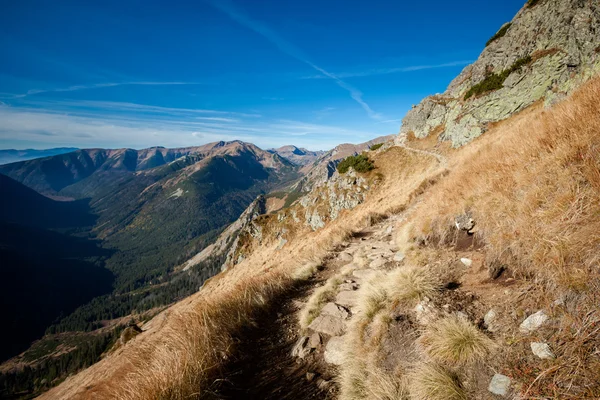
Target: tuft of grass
point(306, 271)
point(494, 81)
point(372, 297)
point(411, 284)
point(499, 34)
point(433, 382)
point(455, 341)
point(359, 163)
point(321, 296)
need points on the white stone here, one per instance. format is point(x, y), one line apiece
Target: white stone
point(425, 312)
point(334, 351)
point(542, 350)
point(489, 319)
point(345, 256)
point(378, 263)
point(399, 257)
point(500, 385)
point(467, 261)
point(533, 322)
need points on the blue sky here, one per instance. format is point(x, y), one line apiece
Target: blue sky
point(273, 72)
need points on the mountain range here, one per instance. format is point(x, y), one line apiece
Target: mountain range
point(8, 156)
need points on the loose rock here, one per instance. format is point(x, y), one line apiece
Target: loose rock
point(334, 352)
point(314, 341)
point(329, 325)
point(466, 261)
point(345, 256)
point(399, 257)
point(533, 322)
point(335, 311)
point(500, 385)
point(542, 350)
point(346, 298)
point(489, 320)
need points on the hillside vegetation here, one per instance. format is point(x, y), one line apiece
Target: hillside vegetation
point(532, 185)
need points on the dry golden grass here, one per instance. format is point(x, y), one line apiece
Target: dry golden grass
point(433, 382)
point(532, 186)
point(410, 284)
point(455, 341)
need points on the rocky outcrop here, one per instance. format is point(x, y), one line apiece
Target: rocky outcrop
point(340, 192)
point(228, 241)
point(557, 43)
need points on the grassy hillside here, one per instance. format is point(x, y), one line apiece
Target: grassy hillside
point(531, 185)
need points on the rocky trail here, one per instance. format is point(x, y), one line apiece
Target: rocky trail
point(277, 360)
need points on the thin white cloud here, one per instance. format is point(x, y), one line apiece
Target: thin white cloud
point(385, 71)
point(100, 85)
point(288, 48)
point(47, 128)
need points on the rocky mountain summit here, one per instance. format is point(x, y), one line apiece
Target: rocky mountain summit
point(548, 50)
point(298, 156)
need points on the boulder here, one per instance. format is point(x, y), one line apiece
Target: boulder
point(334, 351)
point(542, 350)
point(346, 298)
point(335, 311)
point(328, 325)
point(500, 385)
point(533, 322)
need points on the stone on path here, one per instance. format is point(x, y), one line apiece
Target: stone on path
point(399, 257)
point(334, 352)
point(328, 325)
point(314, 341)
point(500, 385)
point(335, 311)
point(378, 263)
point(345, 256)
point(346, 298)
point(533, 322)
point(363, 273)
point(542, 350)
point(489, 319)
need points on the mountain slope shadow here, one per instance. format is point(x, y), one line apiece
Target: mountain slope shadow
point(45, 274)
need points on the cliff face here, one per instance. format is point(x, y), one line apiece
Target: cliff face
point(548, 50)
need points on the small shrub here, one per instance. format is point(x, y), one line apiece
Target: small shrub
point(455, 341)
point(376, 146)
point(531, 3)
point(499, 34)
point(432, 382)
point(360, 163)
point(495, 81)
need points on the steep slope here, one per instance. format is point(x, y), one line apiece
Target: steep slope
point(548, 50)
point(10, 155)
point(45, 273)
point(147, 215)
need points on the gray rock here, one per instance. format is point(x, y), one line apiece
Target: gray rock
point(399, 257)
point(500, 385)
point(533, 322)
point(464, 222)
point(346, 298)
point(378, 263)
point(314, 341)
point(345, 256)
point(328, 325)
point(348, 286)
point(562, 35)
point(335, 311)
point(426, 312)
point(334, 351)
point(489, 320)
point(542, 350)
point(363, 274)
